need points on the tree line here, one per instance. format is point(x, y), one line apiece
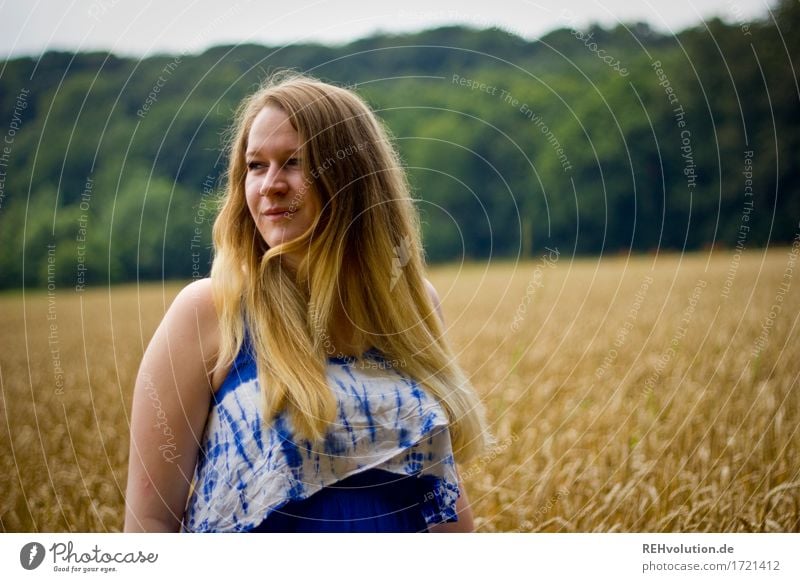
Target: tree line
point(589, 141)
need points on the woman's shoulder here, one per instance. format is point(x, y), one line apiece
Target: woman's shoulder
point(194, 305)
point(192, 314)
point(437, 304)
point(199, 290)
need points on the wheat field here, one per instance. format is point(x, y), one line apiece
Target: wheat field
point(653, 393)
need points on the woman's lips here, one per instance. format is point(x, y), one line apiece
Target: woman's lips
point(277, 215)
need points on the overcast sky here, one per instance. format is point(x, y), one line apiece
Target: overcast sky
point(145, 27)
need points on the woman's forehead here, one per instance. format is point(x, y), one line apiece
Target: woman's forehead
point(272, 133)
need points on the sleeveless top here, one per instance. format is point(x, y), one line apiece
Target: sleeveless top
point(246, 470)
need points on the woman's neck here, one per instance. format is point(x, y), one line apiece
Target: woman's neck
point(346, 340)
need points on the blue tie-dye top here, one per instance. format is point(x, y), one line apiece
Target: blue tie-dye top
point(246, 469)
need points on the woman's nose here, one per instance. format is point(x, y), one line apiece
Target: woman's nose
point(274, 182)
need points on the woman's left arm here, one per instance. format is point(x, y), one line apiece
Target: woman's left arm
point(463, 509)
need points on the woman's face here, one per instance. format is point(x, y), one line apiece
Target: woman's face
point(282, 202)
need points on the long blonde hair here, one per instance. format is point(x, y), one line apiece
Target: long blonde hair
point(363, 259)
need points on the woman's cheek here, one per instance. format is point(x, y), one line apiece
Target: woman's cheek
point(251, 199)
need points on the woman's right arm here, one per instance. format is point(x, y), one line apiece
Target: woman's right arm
point(171, 399)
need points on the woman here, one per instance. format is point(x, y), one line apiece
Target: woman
point(307, 384)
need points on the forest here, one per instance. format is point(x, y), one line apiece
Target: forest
point(594, 141)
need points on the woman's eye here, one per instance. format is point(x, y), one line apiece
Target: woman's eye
point(293, 162)
point(254, 165)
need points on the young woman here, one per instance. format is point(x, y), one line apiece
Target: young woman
point(307, 385)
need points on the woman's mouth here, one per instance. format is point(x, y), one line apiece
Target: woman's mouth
point(278, 214)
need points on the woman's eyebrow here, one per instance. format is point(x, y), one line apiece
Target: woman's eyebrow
point(284, 151)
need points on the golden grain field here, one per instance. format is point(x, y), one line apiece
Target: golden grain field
point(657, 393)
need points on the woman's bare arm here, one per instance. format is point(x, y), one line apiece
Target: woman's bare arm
point(170, 406)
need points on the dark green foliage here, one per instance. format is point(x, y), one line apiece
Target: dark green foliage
point(112, 159)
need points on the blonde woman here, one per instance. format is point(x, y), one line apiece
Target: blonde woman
point(307, 385)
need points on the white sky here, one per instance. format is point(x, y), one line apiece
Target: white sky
point(126, 27)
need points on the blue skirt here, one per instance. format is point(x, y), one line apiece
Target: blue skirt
point(367, 502)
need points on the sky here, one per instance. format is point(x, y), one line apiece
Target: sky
point(145, 27)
